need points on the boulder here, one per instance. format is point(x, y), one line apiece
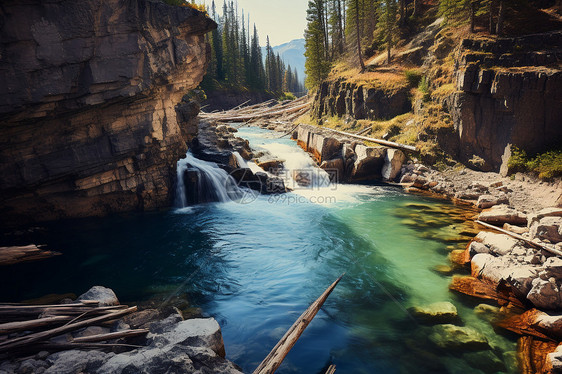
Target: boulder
point(501, 214)
point(488, 201)
point(451, 337)
point(104, 295)
point(547, 212)
point(335, 169)
point(498, 244)
point(547, 228)
point(369, 162)
point(392, 164)
point(442, 312)
point(497, 269)
point(175, 346)
point(553, 268)
point(545, 294)
point(74, 361)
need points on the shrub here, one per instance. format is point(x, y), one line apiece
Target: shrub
point(287, 96)
point(424, 88)
point(413, 77)
point(546, 165)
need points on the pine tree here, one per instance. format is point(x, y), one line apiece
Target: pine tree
point(317, 65)
point(355, 29)
point(387, 25)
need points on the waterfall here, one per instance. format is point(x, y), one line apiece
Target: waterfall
point(201, 181)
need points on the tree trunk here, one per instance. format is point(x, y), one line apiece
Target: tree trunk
point(491, 27)
point(472, 15)
point(341, 36)
point(358, 32)
point(501, 17)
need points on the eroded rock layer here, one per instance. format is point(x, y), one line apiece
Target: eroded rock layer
point(509, 93)
point(91, 113)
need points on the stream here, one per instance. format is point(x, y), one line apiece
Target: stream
point(256, 265)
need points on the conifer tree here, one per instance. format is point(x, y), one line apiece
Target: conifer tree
point(317, 65)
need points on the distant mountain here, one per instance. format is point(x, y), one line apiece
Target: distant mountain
point(293, 54)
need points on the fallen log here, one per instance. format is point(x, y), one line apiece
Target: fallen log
point(519, 237)
point(374, 140)
point(44, 335)
point(110, 336)
point(266, 114)
point(272, 362)
point(14, 255)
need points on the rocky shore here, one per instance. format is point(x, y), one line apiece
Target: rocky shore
point(172, 345)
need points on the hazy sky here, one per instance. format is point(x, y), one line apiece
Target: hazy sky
point(282, 20)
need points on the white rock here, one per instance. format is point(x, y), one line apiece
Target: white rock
point(104, 295)
point(392, 164)
point(554, 361)
point(501, 214)
point(488, 201)
point(499, 244)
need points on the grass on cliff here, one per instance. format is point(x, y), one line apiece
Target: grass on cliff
point(388, 79)
point(545, 165)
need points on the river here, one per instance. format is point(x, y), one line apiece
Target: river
point(255, 266)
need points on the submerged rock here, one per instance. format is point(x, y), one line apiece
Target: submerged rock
point(451, 337)
point(488, 313)
point(486, 361)
point(441, 312)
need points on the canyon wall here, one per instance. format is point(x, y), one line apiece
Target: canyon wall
point(341, 98)
point(92, 119)
point(509, 92)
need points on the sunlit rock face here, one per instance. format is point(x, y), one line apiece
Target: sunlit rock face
point(91, 114)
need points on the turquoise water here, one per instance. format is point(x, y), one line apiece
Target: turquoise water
point(255, 267)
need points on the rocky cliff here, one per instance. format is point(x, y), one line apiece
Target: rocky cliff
point(509, 92)
point(360, 101)
point(91, 114)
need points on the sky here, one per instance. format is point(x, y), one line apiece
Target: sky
point(282, 20)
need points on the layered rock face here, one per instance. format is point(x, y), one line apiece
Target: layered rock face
point(509, 93)
point(91, 113)
point(340, 98)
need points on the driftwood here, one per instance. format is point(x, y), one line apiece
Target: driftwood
point(374, 140)
point(26, 340)
point(11, 327)
point(331, 369)
point(288, 110)
point(14, 255)
point(272, 362)
point(519, 237)
point(110, 336)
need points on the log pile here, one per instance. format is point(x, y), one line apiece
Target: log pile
point(25, 329)
point(286, 111)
